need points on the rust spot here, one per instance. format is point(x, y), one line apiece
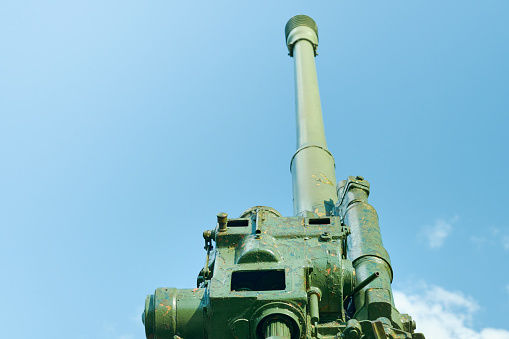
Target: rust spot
point(168, 308)
point(319, 214)
point(322, 180)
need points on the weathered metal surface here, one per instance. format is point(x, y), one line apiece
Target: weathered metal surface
point(312, 166)
point(365, 250)
point(322, 273)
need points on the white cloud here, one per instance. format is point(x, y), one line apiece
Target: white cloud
point(494, 231)
point(505, 242)
point(494, 237)
point(442, 314)
point(478, 241)
point(109, 330)
point(436, 234)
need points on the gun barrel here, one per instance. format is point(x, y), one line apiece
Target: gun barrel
point(312, 166)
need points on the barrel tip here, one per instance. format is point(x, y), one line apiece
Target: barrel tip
point(300, 20)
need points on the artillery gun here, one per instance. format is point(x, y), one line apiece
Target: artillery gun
point(322, 273)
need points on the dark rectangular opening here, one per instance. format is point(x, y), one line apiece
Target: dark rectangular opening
point(259, 280)
point(319, 221)
point(238, 223)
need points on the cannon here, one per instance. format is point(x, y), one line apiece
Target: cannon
point(321, 273)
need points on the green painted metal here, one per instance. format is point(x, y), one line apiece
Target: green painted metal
point(322, 273)
point(312, 166)
point(366, 251)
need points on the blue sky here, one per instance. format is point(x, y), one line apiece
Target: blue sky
point(126, 126)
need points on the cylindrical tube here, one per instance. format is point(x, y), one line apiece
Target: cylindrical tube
point(313, 308)
point(170, 311)
point(277, 328)
point(310, 129)
point(312, 166)
point(366, 282)
point(365, 249)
